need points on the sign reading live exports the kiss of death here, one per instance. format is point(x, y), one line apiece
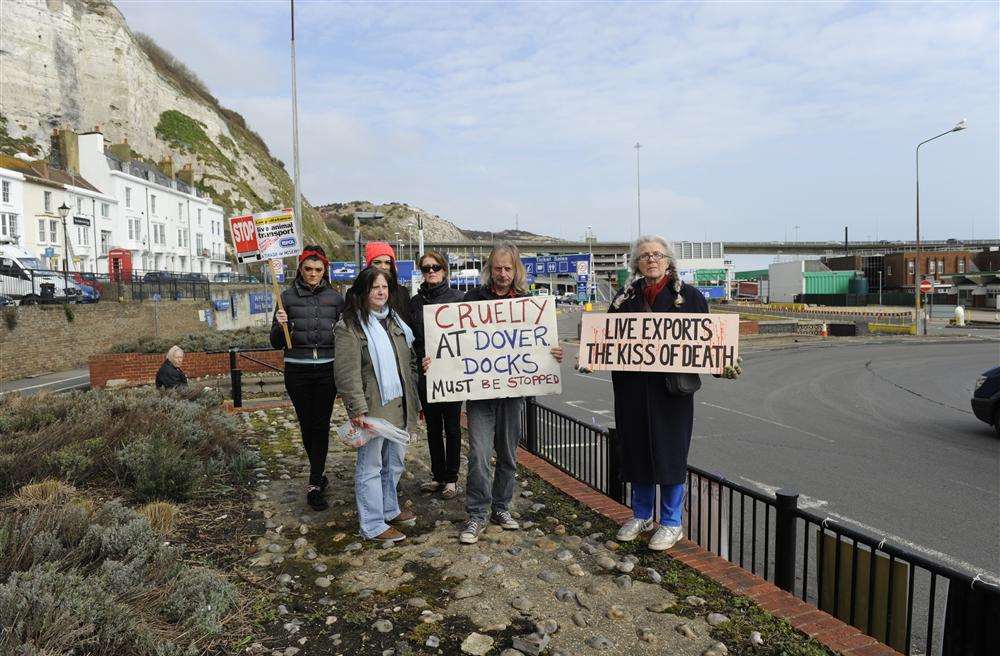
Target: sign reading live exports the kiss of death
point(659, 341)
point(491, 349)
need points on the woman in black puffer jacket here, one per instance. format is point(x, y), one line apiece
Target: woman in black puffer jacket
point(312, 308)
point(447, 415)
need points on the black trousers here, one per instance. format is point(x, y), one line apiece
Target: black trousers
point(446, 451)
point(312, 390)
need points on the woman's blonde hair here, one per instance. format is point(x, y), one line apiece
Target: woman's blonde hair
point(520, 283)
point(437, 257)
point(672, 277)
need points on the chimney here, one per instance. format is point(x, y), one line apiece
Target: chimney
point(122, 151)
point(69, 150)
point(167, 166)
point(186, 174)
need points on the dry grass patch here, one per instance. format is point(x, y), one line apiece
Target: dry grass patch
point(161, 515)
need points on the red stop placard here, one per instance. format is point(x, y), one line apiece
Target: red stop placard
point(926, 286)
point(244, 232)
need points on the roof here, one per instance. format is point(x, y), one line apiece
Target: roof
point(43, 172)
point(974, 278)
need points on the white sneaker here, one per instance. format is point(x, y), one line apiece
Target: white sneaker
point(665, 537)
point(634, 527)
point(471, 532)
point(505, 519)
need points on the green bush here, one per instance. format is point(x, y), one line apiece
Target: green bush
point(169, 445)
point(75, 583)
point(219, 340)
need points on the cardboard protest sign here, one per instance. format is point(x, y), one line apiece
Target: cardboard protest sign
point(659, 341)
point(244, 232)
point(491, 349)
point(276, 234)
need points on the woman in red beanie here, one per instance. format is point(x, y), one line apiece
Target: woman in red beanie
point(380, 254)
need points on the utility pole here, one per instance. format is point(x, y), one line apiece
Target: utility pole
point(295, 139)
point(638, 197)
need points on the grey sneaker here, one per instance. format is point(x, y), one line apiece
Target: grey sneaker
point(505, 519)
point(470, 534)
point(665, 537)
point(633, 528)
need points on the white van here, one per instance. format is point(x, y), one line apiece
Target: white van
point(23, 279)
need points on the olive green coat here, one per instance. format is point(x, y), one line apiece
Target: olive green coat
point(355, 376)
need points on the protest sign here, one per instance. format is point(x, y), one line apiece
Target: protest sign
point(244, 232)
point(659, 341)
point(491, 349)
point(276, 234)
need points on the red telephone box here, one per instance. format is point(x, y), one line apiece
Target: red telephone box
point(119, 265)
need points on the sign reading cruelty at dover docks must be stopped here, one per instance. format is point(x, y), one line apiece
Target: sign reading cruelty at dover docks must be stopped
point(659, 341)
point(491, 349)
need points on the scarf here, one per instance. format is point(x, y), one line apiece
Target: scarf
point(650, 292)
point(382, 354)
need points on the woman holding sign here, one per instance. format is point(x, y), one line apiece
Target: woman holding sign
point(376, 372)
point(442, 416)
point(654, 411)
point(311, 309)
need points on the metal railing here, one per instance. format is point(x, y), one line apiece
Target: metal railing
point(907, 601)
point(236, 374)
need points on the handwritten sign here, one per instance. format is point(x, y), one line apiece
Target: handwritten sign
point(491, 349)
point(659, 341)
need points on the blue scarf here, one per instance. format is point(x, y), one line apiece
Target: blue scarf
point(382, 354)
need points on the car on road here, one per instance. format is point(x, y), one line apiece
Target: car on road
point(986, 398)
point(569, 298)
point(159, 276)
point(6, 301)
point(23, 278)
point(192, 277)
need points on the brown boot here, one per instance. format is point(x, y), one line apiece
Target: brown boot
point(390, 535)
point(404, 518)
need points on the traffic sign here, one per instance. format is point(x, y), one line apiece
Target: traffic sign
point(926, 286)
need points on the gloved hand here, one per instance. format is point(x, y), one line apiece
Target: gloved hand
point(733, 372)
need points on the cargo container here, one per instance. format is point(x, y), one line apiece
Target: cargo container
point(828, 282)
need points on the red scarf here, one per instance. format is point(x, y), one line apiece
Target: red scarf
point(650, 292)
point(511, 292)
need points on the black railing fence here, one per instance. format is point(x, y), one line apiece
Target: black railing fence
point(236, 373)
point(901, 598)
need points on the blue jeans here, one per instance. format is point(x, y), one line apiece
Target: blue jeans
point(671, 502)
point(494, 425)
point(376, 474)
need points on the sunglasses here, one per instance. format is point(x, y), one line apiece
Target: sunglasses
point(427, 268)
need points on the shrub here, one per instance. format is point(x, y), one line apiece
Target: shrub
point(157, 444)
point(70, 583)
point(219, 340)
point(160, 515)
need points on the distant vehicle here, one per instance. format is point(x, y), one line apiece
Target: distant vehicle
point(952, 241)
point(159, 276)
point(192, 277)
point(23, 279)
point(986, 398)
point(89, 294)
point(569, 298)
point(223, 276)
point(82, 278)
point(6, 301)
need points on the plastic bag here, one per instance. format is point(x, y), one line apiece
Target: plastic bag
point(356, 437)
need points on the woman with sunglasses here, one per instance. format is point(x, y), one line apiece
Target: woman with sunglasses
point(443, 415)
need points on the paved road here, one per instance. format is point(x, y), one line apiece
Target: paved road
point(54, 382)
point(878, 435)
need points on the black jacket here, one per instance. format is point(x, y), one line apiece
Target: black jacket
point(441, 293)
point(484, 293)
point(170, 376)
point(312, 314)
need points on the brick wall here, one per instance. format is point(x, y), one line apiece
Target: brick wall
point(140, 369)
point(748, 327)
point(45, 340)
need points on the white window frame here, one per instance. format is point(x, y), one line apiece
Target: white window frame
point(128, 196)
point(53, 232)
point(47, 200)
point(6, 191)
point(105, 210)
point(152, 204)
point(41, 231)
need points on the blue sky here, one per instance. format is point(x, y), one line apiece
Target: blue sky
point(754, 117)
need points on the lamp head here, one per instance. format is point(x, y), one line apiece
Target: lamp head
point(63, 210)
point(961, 125)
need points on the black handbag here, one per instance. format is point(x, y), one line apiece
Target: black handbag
point(682, 384)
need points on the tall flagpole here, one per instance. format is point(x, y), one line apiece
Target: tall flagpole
point(295, 138)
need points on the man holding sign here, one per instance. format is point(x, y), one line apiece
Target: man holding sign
point(655, 339)
point(496, 347)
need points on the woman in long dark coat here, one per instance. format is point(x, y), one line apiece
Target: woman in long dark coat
point(654, 424)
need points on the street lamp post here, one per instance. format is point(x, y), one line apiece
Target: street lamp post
point(591, 281)
point(64, 212)
point(961, 125)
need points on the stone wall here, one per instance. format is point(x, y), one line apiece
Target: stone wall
point(45, 340)
point(128, 369)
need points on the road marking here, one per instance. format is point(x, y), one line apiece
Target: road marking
point(973, 487)
point(578, 405)
point(54, 382)
point(768, 421)
point(957, 563)
point(591, 377)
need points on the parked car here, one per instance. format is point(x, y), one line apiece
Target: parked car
point(23, 278)
point(986, 398)
point(569, 298)
point(192, 277)
point(89, 294)
point(159, 276)
point(6, 301)
point(224, 276)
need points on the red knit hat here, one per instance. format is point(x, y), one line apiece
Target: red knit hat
point(375, 249)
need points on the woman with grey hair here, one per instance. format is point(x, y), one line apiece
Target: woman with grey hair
point(170, 374)
point(654, 411)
